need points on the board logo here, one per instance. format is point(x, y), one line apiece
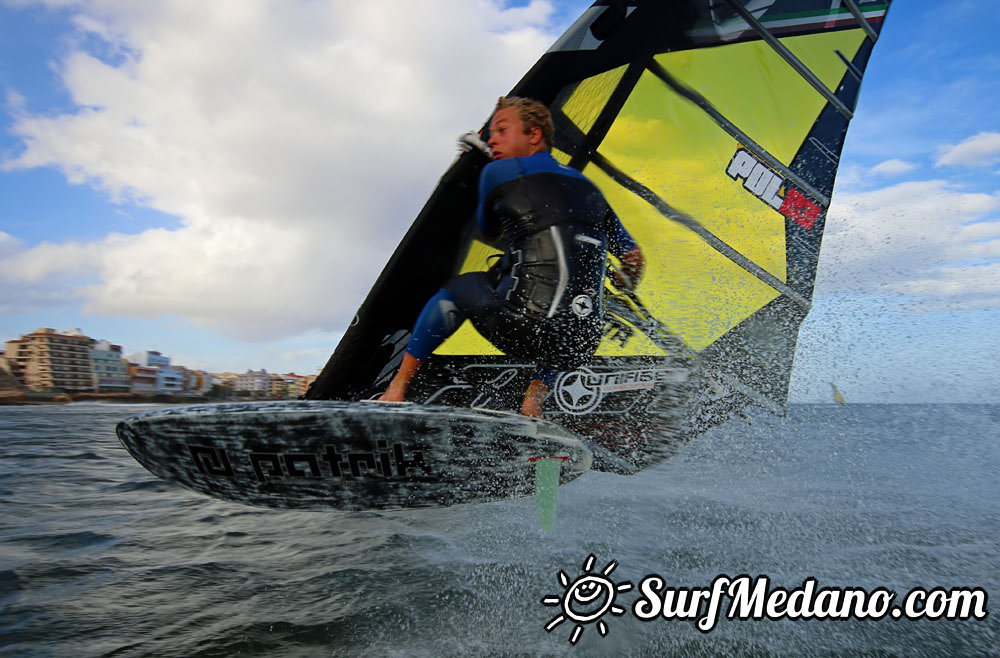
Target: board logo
point(580, 391)
point(586, 599)
point(211, 461)
point(759, 180)
point(388, 461)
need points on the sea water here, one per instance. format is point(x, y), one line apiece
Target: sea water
point(100, 558)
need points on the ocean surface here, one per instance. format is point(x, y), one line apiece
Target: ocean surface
point(99, 558)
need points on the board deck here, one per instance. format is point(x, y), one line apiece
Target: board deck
point(349, 455)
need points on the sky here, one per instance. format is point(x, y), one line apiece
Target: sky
point(223, 182)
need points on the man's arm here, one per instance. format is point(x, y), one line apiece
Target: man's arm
point(624, 247)
point(633, 265)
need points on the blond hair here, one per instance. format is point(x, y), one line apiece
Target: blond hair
point(532, 114)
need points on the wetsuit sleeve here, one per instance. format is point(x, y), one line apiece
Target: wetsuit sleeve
point(619, 240)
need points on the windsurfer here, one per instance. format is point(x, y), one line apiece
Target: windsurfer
point(543, 300)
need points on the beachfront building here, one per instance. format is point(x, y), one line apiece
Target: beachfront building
point(201, 382)
point(15, 358)
point(50, 360)
point(297, 384)
point(279, 387)
point(209, 381)
point(170, 379)
point(149, 358)
point(227, 378)
point(255, 381)
point(110, 369)
point(142, 379)
point(190, 380)
point(293, 385)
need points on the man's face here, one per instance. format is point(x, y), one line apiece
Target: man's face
point(507, 138)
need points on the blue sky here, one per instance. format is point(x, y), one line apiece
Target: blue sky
point(223, 183)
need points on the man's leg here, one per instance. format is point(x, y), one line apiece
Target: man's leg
point(438, 320)
point(534, 398)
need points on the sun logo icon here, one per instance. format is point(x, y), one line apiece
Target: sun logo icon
point(586, 599)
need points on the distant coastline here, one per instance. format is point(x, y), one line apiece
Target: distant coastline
point(32, 398)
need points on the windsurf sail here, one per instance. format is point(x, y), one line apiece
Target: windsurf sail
point(837, 395)
point(714, 129)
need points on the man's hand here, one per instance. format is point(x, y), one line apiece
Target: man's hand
point(471, 141)
point(633, 264)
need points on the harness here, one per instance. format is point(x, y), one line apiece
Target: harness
point(555, 259)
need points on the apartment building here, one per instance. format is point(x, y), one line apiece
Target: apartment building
point(15, 358)
point(169, 379)
point(50, 360)
point(150, 358)
point(279, 387)
point(298, 384)
point(110, 369)
point(142, 379)
point(255, 381)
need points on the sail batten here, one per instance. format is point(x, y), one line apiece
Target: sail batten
point(859, 17)
point(850, 65)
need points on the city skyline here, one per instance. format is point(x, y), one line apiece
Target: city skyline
point(225, 187)
point(129, 356)
point(49, 364)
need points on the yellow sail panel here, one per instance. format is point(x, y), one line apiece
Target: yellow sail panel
point(479, 257)
point(757, 90)
point(561, 156)
point(467, 340)
point(818, 53)
point(672, 147)
point(589, 98)
point(698, 293)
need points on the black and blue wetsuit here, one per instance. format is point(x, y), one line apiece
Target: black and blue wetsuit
point(543, 301)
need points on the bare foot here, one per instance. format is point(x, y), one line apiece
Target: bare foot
point(531, 409)
point(401, 381)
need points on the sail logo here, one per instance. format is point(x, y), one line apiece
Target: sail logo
point(582, 306)
point(580, 391)
point(760, 181)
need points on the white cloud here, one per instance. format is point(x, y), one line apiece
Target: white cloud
point(952, 281)
point(25, 284)
point(976, 151)
point(928, 241)
point(45, 260)
point(316, 354)
point(9, 245)
point(296, 142)
point(893, 168)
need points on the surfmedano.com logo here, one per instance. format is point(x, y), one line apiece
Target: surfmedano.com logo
point(588, 598)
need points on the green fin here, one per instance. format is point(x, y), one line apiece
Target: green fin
point(546, 490)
